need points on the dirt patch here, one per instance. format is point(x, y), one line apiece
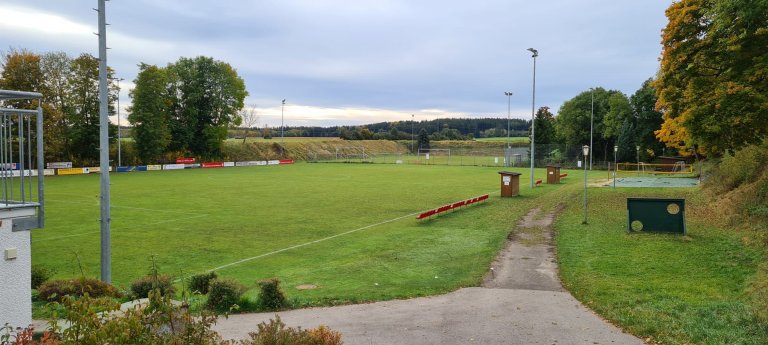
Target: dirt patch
point(306, 287)
point(528, 258)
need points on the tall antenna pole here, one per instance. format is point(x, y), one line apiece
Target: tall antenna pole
point(106, 257)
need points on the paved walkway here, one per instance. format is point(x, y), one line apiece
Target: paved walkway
point(521, 302)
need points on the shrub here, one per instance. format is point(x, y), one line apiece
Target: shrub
point(271, 297)
point(40, 274)
point(275, 332)
point(56, 290)
point(223, 294)
point(201, 282)
point(162, 282)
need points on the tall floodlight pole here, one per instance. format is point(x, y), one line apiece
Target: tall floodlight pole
point(509, 145)
point(119, 128)
point(591, 121)
point(106, 256)
point(282, 121)
point(413, 144)
point(585, 150)
point(533, 107)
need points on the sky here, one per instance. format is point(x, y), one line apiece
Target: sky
point(356, 62)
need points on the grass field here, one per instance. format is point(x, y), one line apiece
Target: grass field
point(350, 230)
point(674, 289)
point(280, 221)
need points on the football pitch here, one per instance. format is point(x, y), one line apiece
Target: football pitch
point(349, 229)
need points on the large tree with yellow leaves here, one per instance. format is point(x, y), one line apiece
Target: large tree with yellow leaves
point(713, 81)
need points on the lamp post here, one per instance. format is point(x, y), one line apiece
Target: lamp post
point(282, 121)
point(509, 145)
point(119, 129)
point(533, 106)
point(637, 151)
point(585, 150)
point(591, 121)
point(615, 166)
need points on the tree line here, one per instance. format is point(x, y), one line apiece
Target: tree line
point(70, 89)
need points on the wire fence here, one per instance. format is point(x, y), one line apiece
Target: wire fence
point(514, 156)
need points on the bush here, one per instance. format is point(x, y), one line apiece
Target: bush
point(743, 166)
point(40, 274)
point(56, 290)
point(275, 332)
point(271, 296)
point(223, 294)
point(201, 282)
point(142, 286)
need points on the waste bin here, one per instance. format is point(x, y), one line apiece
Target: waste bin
point(510, 183)
point(553, 174)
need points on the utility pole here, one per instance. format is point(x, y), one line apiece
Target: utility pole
point(106, 254)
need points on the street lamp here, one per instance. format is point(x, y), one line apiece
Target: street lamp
point(282, 121)
point(591, 121)
point(637, 150)
point(615, 167)
point(585, 150)
point(533, 106)
point(509, 145)
point(119, 129)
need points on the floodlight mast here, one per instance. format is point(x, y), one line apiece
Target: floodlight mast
point(106, 255)
point(509, 145)
point(533, 112)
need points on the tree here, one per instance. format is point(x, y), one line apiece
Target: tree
point(205, 97)
point(56, 67)
point(713, 81)
point(149, 114)
point(249, 118)
point(83, 109)
point(647, 120)
point(573, 121)
point(544, 123)
point(423, 139)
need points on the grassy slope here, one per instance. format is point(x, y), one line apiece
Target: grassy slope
point(672, 288)
point(195, 220)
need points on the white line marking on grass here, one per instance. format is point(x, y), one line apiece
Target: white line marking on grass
point(120, 229)
point(310, 242)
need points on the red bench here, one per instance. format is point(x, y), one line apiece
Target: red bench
point(452, 206)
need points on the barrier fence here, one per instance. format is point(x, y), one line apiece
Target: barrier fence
point(66, 169)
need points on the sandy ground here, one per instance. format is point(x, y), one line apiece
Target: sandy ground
point(521, 302)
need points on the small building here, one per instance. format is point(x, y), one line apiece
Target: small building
point(21, 171)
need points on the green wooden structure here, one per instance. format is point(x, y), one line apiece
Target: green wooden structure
point(656, 215)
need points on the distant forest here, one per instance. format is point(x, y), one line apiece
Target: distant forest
point(441, 129)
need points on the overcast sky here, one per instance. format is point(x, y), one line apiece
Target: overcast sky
point(356, 62)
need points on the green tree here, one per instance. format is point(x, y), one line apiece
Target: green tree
point(206, 96)
point(423, 140)
point(56, 67)
point(713, 80)
point(83, 109)
point(149, 114)
point(544, 123)
point(573, 121)
point(647, 120)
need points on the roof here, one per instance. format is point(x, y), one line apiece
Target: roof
point(6, 95)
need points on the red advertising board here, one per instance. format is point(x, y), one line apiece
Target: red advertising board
point(185, 160)
point(213, 165)
point(286, 161)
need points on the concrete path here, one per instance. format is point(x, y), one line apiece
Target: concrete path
point(521, 302)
